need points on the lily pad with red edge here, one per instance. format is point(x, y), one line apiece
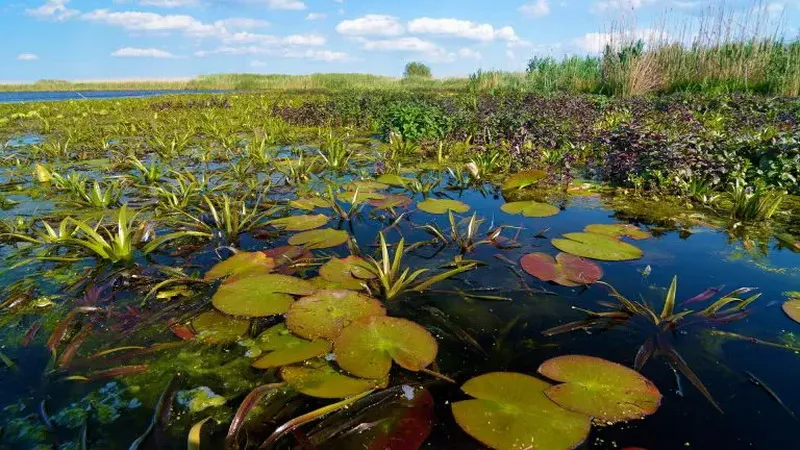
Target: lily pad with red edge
point(299, 223)
point(213, 327)
point(510, 411)
point(285, 348)
point(286, 255)
point(442, 206)
point(324, 314)
point(393, 179)
point(324, 238)
point(390, 201)
point(260, 295)
point(792, 309)
point(320, 379)
point(309, 203)
point(349, 273)
point(564, 269)
point(617, 230)
point(606, 391)
point(597, 246)
point(367, 347)
point(524, 179)
point(241, 264)
point(530, 208)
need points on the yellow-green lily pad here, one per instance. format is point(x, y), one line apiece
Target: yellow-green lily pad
point(792, 309)
point(360, 196)
point(510, 411)
point(324, 238)
point(366, 186)
point(597, 246)
point(530, 209)
point(367, 347)
point(618, 230)
point(320, 379)
point(216, 328)
point(260, 295)
point(349, 273)
point(299, 223)
point(392, 179)
point(241, 264)
point(599, 388)
point(391, 201)
point(442, 206)
point(524, 179)
point(309, 203)
point(324, 314)
point(285, 348)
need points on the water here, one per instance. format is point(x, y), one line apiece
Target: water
point(22, 97)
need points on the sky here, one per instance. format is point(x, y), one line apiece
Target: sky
point(168, 39)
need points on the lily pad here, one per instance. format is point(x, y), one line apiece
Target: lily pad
point(564, 269)
point(530, 209)
point(286, 348)
point(324, 238)
point(792, 309)
point(393, 179)
point(390, 201)
point(260, 295)
point(510, 411)
point(597, 246)
point(367, 347)
point(241, 264)
point(326, 313)
point(215, 328)
point(602, 389)
point(366, 186)
point(617, 230)
point(300, 223)
point(348, 273)
point(309, 203)
point(320, 379)
point(442, 206)
point(524, 179)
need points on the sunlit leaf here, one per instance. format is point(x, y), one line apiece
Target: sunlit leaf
point(524, 179)
point(792, 309)
point(349, 273)
point(391, 201)
point(324, 238)
point(360, 197)
point(393, 179)
point(442, 206)
point(564, 269)
point(299, 223)
point(617, 230)
point(320, 379)
point(241, 264)
point(309, 203)
point(324, 314)
point(530, 209)
point(597, 246)
point(286, 348)
point(214, 328)
point(260, 295)
point(366, 186)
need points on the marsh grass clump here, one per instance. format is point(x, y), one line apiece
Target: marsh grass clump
point(754, 204)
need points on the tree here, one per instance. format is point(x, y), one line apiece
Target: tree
point(417, 69)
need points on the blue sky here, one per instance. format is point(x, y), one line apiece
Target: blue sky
point(157, 39)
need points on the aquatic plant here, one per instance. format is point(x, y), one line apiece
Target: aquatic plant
point(335, 151)
point(757, 204)
point(147, 173)
point(228, 217)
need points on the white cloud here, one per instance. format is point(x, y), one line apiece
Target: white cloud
point(469, 53)
point(52, 9)
point(130, 52)
point(169, 3)
point(316, 16)
point(295, 5)
point(145, 21)
point(371, 25)
point(774, 9)
point(241, 23)
point(537, 8)
point(605, 5)
point(27, 57)
point(283, 52)
point(425, 49)
point(461, 29)
point(270, 40)
point(597, 42)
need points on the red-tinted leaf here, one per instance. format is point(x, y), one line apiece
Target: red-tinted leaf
point(564, 269)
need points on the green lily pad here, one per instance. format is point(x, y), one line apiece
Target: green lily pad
point(349, 273)
point(366, 186)
point(392, 179)
point(360, 196)
point(524, 179)
point(367, 347)
point(259, 295)
point(324, 238)
point(241, 264)
point(285, 348)
point(309, 203)
point(530, 209)
point(390, 201)
point(618, 230)
point(602, 389)
point(510, 411)
point(216, 328)
point(564, 269)
point(299, 223)
point(320, 379)
point(326, 313)
point(442, 206)
point(597, 246)
point(792, 309)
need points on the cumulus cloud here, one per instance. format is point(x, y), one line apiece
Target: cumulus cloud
point(605, 5)
point(295, 5)
point(596, 42)
point(371, 25)
point(283, 52)
point(538, 8)
point(464, 29)
point(316, 16)
point(146, 21)
point(241, 23)
point(169, 3)
point(27, 57)
point(423, 49)
point(52, 10)
point(130, 52)
point(270, 40)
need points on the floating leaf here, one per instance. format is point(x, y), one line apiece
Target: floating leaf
point(286, 348)
point(442, 206)
point(391, 201)
point(367, 347)
point(326, 313)
point(360, 197)
point(792, 309)
point(299, 223)
point(348, 273)
point(241, 264)
point(42, 173)
point(324, 238)
point(597, 246)
point(260, 295)
point(565, 269)
point(511, 411)
point(309, 203)
point(286, 255)
point(319, 379)
point(530, 209)
point(366, 186)
point(602, 389)
point(617, 230)
point(393, 179)
point(215, 328)
point(524, 179)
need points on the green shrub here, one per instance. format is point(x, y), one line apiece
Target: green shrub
point(414, 121)
point(417, 70)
